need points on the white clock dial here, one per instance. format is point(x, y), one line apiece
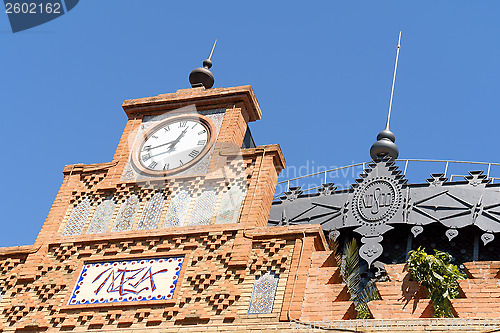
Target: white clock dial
point(174, 145)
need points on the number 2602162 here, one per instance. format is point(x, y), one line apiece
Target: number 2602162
point(32, 8)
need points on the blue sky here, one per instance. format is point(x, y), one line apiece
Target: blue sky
point(322, 72)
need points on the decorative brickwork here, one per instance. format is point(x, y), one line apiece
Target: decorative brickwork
point(235, 273)
point(209, 288)
point(481, 291)
point(400, 297)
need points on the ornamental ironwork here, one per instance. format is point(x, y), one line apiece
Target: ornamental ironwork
point(381, 199)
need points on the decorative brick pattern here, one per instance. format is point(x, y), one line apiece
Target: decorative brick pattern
point(102, 217)
point(323, 278)
point(220, 261)
point(481, 292)
point(400, 297)
point(78, 218)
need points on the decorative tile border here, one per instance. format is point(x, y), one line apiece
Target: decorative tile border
point(127, 281)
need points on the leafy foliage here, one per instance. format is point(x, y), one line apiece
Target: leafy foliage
point(350, 271)
point(438, 275)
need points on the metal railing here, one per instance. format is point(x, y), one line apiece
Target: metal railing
point(402, 163)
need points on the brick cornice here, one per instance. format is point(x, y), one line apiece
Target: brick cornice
point(275, 149)
point(198, 96)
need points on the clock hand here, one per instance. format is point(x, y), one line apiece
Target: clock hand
point(163, 144)
point(176, 141)
point(170, 142)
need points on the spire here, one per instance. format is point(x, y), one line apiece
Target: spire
point(202, 76)
point(385, 140)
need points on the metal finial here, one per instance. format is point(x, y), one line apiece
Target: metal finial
point(393, 81)
point(385, 140)
point(202, 77)
point(213, 48)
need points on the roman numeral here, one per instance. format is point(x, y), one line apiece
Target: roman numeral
point(166, 128)
point(182, 124)
point(200, 133)
point(194, 153)
point(146, 148)
point(154, 136)
point(152, 165)
point(182, 163)
point(146, 157)
point(201, 142)
point(166, 166)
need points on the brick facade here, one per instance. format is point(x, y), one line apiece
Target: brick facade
point(98, 217)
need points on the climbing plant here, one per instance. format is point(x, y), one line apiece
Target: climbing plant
point(438, 275)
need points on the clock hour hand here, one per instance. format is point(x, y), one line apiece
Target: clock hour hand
point(176, 141)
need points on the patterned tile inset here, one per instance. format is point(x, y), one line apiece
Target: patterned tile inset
point(152, 212)
point(229, 210)
point(264, 291)
point(127, 281)
point(78, 217)
point(102, 217)
point(126, 214)
point(204, 208)
point(178, 209)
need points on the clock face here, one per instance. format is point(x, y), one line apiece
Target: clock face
point(173, 145)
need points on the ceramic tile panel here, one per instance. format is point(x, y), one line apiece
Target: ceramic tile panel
point(127, 281)
point(230, 206)
point(177, 210)
point(102, 217)
point(204, 207)
point(152, 212)
point(77, 219)
point(264, 291)
point(126, 214)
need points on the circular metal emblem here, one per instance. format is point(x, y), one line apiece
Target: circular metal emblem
point(376, 201)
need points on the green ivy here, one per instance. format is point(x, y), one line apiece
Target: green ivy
point(438, 275)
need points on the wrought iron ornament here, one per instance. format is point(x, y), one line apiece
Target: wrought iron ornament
point(382, 198)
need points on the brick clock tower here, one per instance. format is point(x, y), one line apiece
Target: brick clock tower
point(171, 233)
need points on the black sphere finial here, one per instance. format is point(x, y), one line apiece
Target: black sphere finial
point(384, 146)
point(202, 76)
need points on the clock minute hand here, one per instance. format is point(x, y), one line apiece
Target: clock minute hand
point(163, 144)
point(176, 141)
